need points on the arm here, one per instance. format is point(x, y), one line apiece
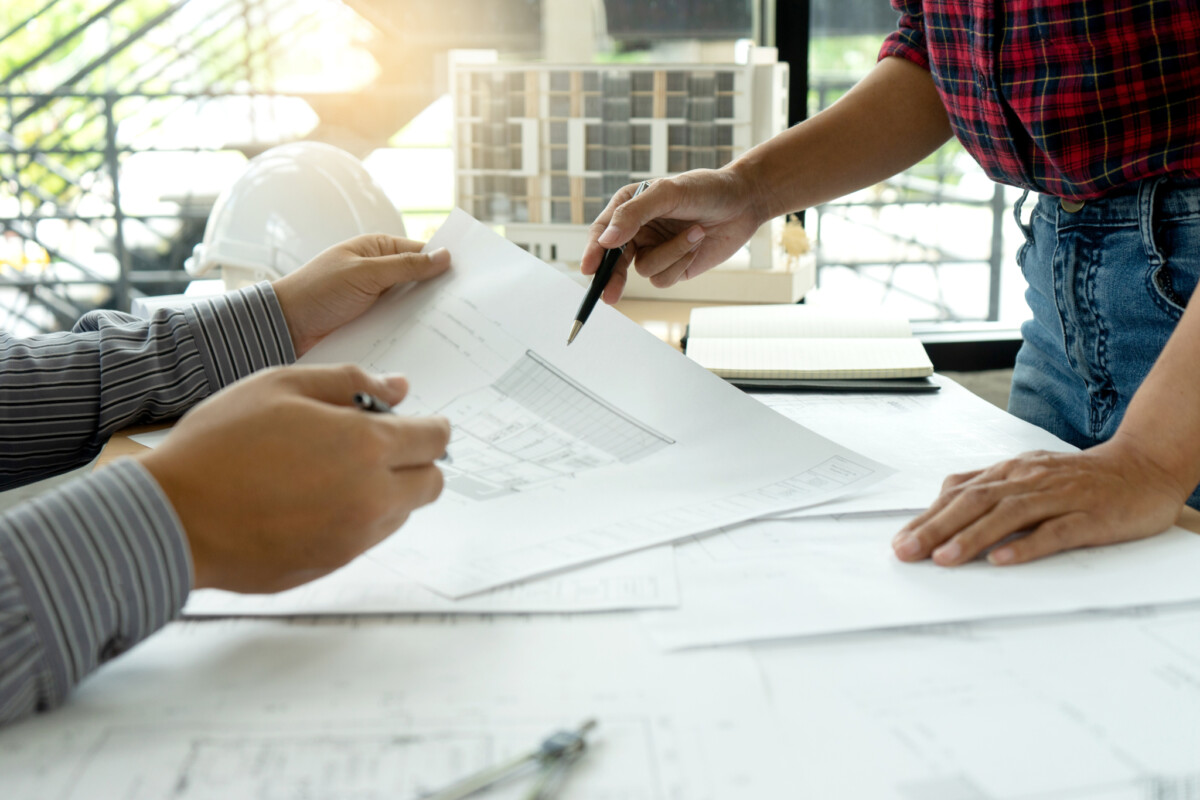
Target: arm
point(90, 569)
point(685, 225)
point(1130, 487)
point(65, 394)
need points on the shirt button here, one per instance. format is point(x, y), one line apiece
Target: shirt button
point(1071, 206)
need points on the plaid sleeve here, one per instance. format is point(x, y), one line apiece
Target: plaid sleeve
point(908, 40)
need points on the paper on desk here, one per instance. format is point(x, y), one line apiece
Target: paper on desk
point(645, 579)
point(566, 456)
point(782, 578)
point(926, 437)
point(1095, 707)
point(258, 709)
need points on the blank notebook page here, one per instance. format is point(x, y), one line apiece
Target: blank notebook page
point(812, 358)
point(781, 321)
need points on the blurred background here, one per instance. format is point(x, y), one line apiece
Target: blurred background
point(121, 121)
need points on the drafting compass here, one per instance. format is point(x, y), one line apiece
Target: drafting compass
point(550, 762)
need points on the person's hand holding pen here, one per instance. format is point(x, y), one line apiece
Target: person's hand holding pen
point(280, 479)
point(676, 229)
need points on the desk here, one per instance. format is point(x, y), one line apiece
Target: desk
point(1084, 706)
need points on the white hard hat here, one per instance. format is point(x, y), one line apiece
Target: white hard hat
point(292, 202)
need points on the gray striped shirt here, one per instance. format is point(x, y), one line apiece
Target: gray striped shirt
point(95, 566)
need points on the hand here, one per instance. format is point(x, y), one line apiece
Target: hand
point(1110, 493)
point(278, 480)
point(343, 282)
point(679, 227)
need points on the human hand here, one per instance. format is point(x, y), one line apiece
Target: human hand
point(679, 227)
point(343, 281)
point(1107, 494)
point(278, 480)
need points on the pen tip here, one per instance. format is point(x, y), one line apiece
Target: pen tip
point(574, 331)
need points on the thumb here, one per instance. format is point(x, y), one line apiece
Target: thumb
point(659, 199)
point(394, 269)
point(338, 384)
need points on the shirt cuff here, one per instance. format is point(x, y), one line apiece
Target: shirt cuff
point(907, 43)
point(101, 563)
point(239, 333)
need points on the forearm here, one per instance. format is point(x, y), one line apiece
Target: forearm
point(86, 572)
point(1163, 420)
point(64, 394)
point(889, 121)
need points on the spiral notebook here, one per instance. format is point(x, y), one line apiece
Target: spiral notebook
point(798, 343)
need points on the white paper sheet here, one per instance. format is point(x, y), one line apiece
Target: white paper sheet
point(926, 437)
point(645, 579)
point(257, 709)
point(782, 578)
point(1098, 708)
point(566, 456)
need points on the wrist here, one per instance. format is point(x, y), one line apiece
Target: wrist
point(753, 183)
point(1151, 467)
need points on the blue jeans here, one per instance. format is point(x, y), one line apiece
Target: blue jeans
point(1108, 283)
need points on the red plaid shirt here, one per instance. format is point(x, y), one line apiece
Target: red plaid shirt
point(1073, 98)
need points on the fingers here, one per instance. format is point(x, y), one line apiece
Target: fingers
point(665, 264)
point(399, 268)
point(338, 384)
point(1053, 536)
point(410, 441)
point(372, 245)
point(593, 251)
point(658, 200)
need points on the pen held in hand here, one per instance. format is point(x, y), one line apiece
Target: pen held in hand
point(369, 402)
point(608, 262)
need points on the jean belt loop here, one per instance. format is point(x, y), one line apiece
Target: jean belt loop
point(1025, 229)
point(1146, 198)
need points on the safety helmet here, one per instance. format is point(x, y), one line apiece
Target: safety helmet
point(292, 202)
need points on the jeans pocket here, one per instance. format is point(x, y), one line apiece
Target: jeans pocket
point(1172, 280)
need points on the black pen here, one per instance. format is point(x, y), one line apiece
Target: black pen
point(608, 262)
point(369, 402)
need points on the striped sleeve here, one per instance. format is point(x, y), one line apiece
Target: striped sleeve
point(86, 571)
point(63, 395)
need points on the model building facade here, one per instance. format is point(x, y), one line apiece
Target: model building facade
point(540, 148)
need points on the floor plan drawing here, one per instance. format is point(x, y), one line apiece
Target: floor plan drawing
point(532, 425)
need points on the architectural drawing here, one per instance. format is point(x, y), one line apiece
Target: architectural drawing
point(532, 425)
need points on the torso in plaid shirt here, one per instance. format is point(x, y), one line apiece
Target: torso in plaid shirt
point(1073, 98)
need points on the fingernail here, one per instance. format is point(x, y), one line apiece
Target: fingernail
point(947, 553)
point(440, 256)
point(908, 548)
point(1004, 555)
point(609, 237)
point(695, 234)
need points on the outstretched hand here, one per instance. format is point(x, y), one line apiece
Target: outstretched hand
point(344, 281)
point(1056, 501)
point(676, 229)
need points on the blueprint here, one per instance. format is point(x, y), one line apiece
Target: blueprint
point(645, 579)
point(391, 709)
point(561, 457)
point(1093, 707)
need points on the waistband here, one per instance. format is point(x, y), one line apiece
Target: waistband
point(1173, 198)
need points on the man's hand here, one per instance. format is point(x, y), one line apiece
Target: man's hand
point(345, 280)
point(278, 480)
point(678, 228)
point(1110, 493)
